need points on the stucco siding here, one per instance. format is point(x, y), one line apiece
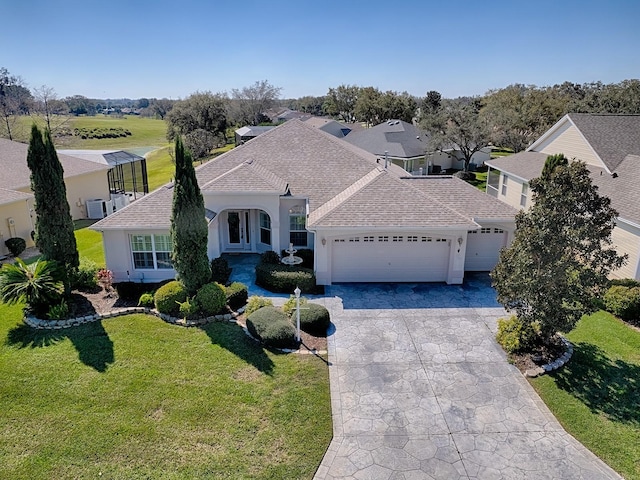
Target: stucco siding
point(18, 212)
point(568, 140)
point(626, 239)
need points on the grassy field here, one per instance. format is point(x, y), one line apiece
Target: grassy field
point(145, 132)
point(89, 242)
point(596, 396)
point(134, 397)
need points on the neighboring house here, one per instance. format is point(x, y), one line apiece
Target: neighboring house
point(84, 180)
point(329, 126)
point(366, 221)
point(247, 133)
point(407, 146)
point(610, 146)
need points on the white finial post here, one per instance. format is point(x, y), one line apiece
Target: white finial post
point(297, 293)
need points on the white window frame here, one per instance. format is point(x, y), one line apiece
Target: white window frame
point(154, 241)
point(265, 226)
point(298, 226)
point(524, 194)
point(505, 181)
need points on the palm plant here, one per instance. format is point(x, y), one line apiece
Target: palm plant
point(38, 284)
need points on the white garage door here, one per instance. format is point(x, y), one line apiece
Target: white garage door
point(389, 258)
point(483, 249)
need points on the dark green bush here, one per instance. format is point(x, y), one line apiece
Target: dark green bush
point(271, 326)
point(270, 258)
point(211, 298)
point(306, 254)
point(623, 302)
point(237, 295)
point(255, 303)
point(284, 279)
point(466, 176)
point(516, 336)
point(131, 290)
point(220, 270)
point(169, 297)
point(16, 245)
point(314, 319)
point(84, 278)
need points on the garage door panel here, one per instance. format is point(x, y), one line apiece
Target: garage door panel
point(483, 249)
point(424, 259)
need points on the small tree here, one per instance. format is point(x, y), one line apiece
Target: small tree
point(54, 226)
point(188, 225)
point(561, 254)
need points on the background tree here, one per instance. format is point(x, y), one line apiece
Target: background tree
point(52, 110)
point(249, 104)
point(561, 255)
point(368, 107)
point(341, 102)
point(188, 225)
point(199, 111)
point(161, 106)
point(458, 123)
point(431, 102)
point(400, 106)
point(54, 227)
point(15, 100)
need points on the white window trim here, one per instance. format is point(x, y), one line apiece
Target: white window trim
point(153, 251)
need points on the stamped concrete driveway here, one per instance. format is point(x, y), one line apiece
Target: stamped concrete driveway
point(420, 390)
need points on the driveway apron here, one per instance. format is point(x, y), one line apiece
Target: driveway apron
point(420, 390)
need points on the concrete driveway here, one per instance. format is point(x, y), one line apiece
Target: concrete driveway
point(420, 389)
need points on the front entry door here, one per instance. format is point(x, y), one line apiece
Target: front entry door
point(238, 230)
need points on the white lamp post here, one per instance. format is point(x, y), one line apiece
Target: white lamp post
point(297, 293)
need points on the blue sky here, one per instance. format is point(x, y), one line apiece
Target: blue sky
point(161, 48)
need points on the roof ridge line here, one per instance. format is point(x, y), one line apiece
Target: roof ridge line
point(344, 195)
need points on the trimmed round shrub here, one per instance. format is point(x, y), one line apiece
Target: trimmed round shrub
point(314, 319)
point(270, 258)
point(16, 245)
point(220, 270)
point(211, 298)
point(466, 176)
point(255, 303)
point(146, 300)
point(272, 327)
point(514, 335)
point(623, 302)
point(169, 297)
point(284, 279)
point(237, 295)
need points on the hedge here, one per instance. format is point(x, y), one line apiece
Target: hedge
point(285, 279)
point(272, 327)
point(314, 319)
point(623, 302)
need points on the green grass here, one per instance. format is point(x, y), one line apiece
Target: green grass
point(596, 396)
point(134, 397)
point(89, 242)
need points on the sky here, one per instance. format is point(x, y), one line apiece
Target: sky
point(161, 48)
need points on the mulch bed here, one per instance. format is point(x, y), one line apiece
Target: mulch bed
point(98, 301)
point(545, 354)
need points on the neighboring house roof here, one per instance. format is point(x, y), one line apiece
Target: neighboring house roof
point(10, 196)
point(110, 158)
point(16, 173)
point(621, 187)
point(329, 125)
point(253, 131)
point(397, 137)
point(344, 185)
point(612, 137)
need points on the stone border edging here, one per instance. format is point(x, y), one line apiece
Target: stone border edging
point(40, 324)
point(556, 364)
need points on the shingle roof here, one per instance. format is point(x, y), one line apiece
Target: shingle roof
point(10, 196)
point(330, 126)
point(613, 137)
point(16, 173)
point(347, 185)
point(253, 130)
point(525, 165)
point(399, 138)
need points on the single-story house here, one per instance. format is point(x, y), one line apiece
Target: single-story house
point(366, 220)
point(84, 180)
point(407, 146)
point(247, 133)
point(610, 146)
point(329, 125)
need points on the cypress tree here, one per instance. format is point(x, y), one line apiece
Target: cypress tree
point(552, 162)
point(188, 225)
point(54, 227)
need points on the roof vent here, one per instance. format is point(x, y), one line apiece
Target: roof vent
point(614, 175)
point(396, 122)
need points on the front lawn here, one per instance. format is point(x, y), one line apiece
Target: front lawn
point(134, 397)
point(596, 396)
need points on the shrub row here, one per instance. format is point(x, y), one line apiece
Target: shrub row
point(284, 279)
point(623, 301)
point(101, 132)
point(211, 299)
